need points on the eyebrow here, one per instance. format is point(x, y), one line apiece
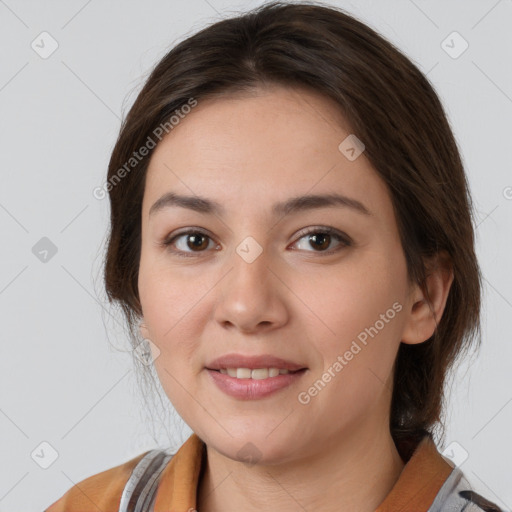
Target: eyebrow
point(292, 205)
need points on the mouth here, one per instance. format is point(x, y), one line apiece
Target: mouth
point(249, 377)
point(254, 383)
point(243, 366)
point(256, 373)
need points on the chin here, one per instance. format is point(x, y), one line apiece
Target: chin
point(255, 448)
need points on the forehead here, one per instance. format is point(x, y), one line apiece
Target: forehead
point(269, 144)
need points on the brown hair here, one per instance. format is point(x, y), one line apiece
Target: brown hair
point(389, 104)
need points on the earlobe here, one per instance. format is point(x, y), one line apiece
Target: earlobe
point(428, 302)
point(143, 330)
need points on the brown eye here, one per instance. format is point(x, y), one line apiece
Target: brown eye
point(188, 242)
point(320, 240)
point(196, 241)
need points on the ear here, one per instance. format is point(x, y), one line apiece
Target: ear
point(143, 330)
point(424, 316)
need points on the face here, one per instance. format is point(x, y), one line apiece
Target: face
point(319, 284)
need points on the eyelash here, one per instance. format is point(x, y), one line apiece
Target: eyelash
point(325, 230)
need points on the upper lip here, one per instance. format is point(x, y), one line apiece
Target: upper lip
point(252, 362)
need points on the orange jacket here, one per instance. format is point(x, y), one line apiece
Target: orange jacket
point(428, 483)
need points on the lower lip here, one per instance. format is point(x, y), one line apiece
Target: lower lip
point(253, 389)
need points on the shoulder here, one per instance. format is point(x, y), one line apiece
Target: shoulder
point(101, 491)
point(457, 494)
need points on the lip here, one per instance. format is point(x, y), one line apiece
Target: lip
point(253, 362)
point(253, 389)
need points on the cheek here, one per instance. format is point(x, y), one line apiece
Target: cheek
point(176, 304)
point(170, 305)
point(168, 296)
point(360, 309)
point(354, 296)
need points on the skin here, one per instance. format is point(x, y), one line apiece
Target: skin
point(293, 301)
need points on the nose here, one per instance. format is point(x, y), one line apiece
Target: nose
point(252, 296)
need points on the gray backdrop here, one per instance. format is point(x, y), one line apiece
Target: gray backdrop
point(69, 405)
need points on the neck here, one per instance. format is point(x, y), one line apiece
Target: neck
point(355, 473)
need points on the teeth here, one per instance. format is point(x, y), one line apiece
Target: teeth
point(243, 373)
point(257, 373)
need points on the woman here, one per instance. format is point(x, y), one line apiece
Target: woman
point(291, 231)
